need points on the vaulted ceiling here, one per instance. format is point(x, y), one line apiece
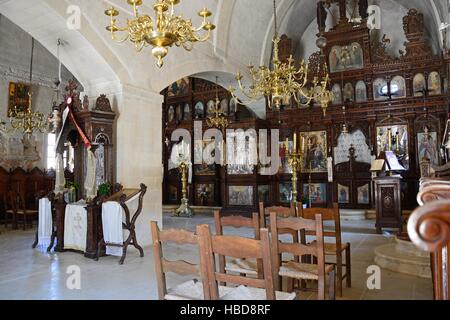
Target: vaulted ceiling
point(243, 35)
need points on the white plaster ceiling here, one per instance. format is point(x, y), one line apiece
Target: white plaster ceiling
point(244, 32)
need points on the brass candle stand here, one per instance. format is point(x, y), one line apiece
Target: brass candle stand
point(295, 161)
point(184, 209)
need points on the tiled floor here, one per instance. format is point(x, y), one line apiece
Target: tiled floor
point(32, 274)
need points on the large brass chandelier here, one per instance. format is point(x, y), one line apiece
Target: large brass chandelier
point(26, 119)
point(162, 31)
point(283, 81)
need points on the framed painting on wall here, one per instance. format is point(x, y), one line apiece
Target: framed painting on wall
point(18, 98)
point(398, 87)
point(349, 57)
point(171, 114)
point(427, 146)
point(316, 151)
point(199, 110)
point(204, 193)
point(343, 193)
point(361, 91)
point(364, 194)
point(337, 94)
point(240, 195)
point(349, 93)
point(210, 106)
point(285, 195)
point(180, 87)
point(419, 85)
point(284, 149)
point(173, 193)
point(380, 89)
point(434, 84)
point(187, 112)
point(316, 192)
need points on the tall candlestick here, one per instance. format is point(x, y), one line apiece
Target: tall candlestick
point(389, 139)
point(295, 142)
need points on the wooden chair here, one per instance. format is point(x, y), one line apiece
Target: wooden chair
point(8, 210)
point(264, 213)
point(244, 267)
point(17, 202)
point(243, 248)
point(337, 248)
point(300, 270)
point(190, 290)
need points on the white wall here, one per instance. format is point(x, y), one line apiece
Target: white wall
point(15, 55)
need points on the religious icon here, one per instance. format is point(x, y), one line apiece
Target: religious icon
point(361, 91)
point(199, 110)
point(240, 195)
point(334, 58)
point(179, 113)
point(347, 57)
point(285, 149)
point(427, 146)
point(315, 151)
point(210, 106)
point(180, 87)
point(285, 192)
point(18, 97)
point(398, 87)
point(171, 114)
point(380, 89)
point(337, 92)
point(343, 194)
point(187, 112)
point(419, 85)
point(434, 83)
point(316, 192)
point(363, 194)
point(204, 194)
point(349, 93)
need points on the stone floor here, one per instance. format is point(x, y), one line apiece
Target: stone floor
point(32, 274)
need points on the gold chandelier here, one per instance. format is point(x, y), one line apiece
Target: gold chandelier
point(218, 120)
point(27, 120)
point(161, 32)
point(283, 81)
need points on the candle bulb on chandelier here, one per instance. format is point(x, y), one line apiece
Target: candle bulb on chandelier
point(295, 142)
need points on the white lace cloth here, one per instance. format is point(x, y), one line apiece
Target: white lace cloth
point(112, 217)
point(45, 222)
point(75, 226)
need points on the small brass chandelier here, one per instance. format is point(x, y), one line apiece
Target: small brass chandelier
point(218, 120)
point(161, 32)
point(27, 120)
point(282, 81)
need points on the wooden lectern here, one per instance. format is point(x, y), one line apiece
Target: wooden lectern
point(388, 196)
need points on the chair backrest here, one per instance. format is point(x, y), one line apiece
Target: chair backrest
point(328, 214)
point(237, 221)
point(281, 212)
point(12, 201)
point(236, 247)
point(297, 224)
point(181, 267)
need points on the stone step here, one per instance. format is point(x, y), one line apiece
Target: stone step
point(353, 215)
point(403, 257)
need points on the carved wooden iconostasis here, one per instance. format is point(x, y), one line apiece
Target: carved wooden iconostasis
point(192, 99)
point(374, 94)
